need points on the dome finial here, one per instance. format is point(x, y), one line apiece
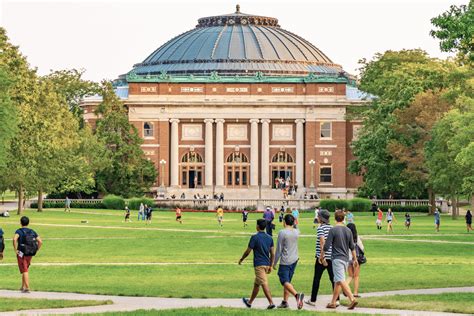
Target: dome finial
point(237, 8)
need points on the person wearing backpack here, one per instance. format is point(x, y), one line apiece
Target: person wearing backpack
point(2, 244)
point(26, 244)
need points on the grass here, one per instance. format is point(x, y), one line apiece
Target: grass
point(446, 302)
point(219, 311)
point(17, 304)
point(198, 259)
point(8, 196)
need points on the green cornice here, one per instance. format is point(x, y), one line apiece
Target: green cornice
point(215, 78)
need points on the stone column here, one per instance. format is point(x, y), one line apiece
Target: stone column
point(299, 152)
point(209, 154)
point(220, 152)
point(174, 155)
point(254, 152)
point(265, 153)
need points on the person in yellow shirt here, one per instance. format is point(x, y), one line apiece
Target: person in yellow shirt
point(220, 215)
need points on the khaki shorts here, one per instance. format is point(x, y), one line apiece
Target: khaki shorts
point(261, 275)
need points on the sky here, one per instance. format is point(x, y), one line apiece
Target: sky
point(106, 38)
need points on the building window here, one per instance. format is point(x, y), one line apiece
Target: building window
point(326, 130)
point(325, 174)
point(147, 129)
point(237, 165)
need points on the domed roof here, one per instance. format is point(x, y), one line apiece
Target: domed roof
point(238, 44)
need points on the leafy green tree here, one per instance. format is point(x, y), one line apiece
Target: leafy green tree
point(8, 118)
point(129, 173)
point(394, 78)
point(455, 30)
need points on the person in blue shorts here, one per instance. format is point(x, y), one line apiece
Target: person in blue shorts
point(437, 217)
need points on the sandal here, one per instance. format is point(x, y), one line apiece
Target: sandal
point(331, 306)
point(353, 304)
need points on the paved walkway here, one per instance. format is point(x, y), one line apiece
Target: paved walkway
point(125, 303)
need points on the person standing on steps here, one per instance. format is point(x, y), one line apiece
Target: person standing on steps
point(26, 244)
point(263, 254)
point(287, 254)
point(341, 240)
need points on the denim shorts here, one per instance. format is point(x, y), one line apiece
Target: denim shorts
point(285, 272)
point(339, 268)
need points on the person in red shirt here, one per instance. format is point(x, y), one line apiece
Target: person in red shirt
point(178, 215)
point(378, 222)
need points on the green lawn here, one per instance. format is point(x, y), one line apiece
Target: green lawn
point(16, 304)
point(198, 259)
point(8, 196)
point(446, 302)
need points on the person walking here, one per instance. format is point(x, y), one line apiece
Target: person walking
point(127, 214)
point(268, 216)
point(378, 222)
point(245, 216)
point(141, 212)
point(341, 241)
point(282, 213)
point(220, 216)
point(178, 215)
point(316, 217)
point(354, 271)
point(263, 254)
point(26, 243)
point(407, 220)
point(437, 219)
point(148, 214)
point(390, 218)
point(2, 244)
point(468, 220)
point(323, 259)
point(373, 209)
point(296, 215)
point(349, 217)
point(287, 255)
point(67, 205)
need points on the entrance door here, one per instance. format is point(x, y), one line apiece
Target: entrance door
point(192, 180)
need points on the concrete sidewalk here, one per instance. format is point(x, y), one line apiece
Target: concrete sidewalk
point(126, 303)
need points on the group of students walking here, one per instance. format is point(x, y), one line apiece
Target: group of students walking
point(338, 250)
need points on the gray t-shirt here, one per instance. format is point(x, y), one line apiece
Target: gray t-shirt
point(287, 246)
point(340, 238)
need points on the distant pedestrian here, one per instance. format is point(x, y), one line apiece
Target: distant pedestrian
point(148, 214)
point(323, 259)
point(374, 209)
point(349, 217)
point(390, 218)
point(378, 222)
point(407, 220)
point(316, 217)
point(263, 256)
point(178, 215)
point(468, 221)
point(341, 241)
point(221, 197)
point(26, 244)
point(67, 205)
point(282, 213)
point(2, 244)
point(245, 216)
point(437, 219)
point(354, 271)
point(296, 215)
point(220, 216)
point(287, 254)
point(127, 214)
point(141, 212)
point(268, 216)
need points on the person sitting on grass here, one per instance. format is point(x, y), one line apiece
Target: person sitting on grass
point(287, 254)
point(407, 220)
point(26, 244)
point(341, 240)
point(263, 255)
point(178, 215)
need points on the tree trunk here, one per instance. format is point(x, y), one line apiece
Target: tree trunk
point(20, 200)
point(455, 207)
point(40, 201)
point(431, 197)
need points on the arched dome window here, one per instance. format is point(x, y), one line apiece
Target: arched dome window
point(192, 157)
point(282, 157)
point(237, 157)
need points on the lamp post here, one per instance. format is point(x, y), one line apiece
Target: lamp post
point(311, 164)
point(162, 164)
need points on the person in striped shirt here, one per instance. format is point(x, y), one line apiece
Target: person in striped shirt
point(323, 259)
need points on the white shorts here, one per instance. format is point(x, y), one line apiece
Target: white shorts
point(378, 222)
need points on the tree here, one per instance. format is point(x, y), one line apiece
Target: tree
point(70, 85)
point(455, 30)
point(8, 117)
point(394, 78)
point(129, 173)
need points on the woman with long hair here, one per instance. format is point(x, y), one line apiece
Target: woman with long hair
point(355, 272)
point(468, 221)
point(390, 219)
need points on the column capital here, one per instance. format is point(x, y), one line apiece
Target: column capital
point(209, 121)
point(220, 120)
point(174, 120)
point(297, 121)
point(265, 121)
point(254, 120)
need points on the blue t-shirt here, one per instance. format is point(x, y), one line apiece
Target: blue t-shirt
point(261, 243)
point(1, 232)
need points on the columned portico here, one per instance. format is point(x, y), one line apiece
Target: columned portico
point(209, 152)
point(254, 152)
point(265, 181)
point(220, 152)
point(299, 152)
point(174, 153)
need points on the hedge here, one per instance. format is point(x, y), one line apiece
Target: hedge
point(134, 203)
point(73, 205)
point(406, 208)
point(114, 202)
point(332, 204)
point(359, 205)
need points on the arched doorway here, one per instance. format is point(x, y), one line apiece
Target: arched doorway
point(191, 167)
point(237, 170)
point(282, 166)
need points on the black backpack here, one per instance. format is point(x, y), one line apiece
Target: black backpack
point(28, 243)
point(2, 243)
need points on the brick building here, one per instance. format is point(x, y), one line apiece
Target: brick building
point(236, 103)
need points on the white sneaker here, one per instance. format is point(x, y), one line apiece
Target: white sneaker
point(308, 302)
point(338, 303)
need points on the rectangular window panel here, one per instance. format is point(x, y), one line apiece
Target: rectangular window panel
point(244, 177)
point(325, 174)
point(237, 178)
point(184, 178)
point(326, 130)
point(229, 178)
